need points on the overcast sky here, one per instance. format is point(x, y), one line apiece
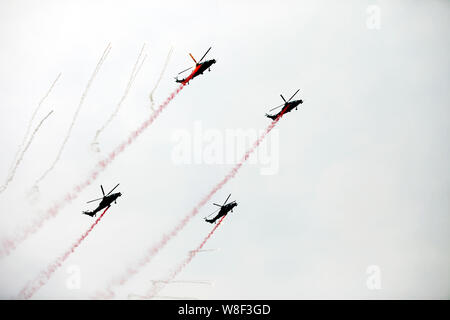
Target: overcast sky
point(361, 172)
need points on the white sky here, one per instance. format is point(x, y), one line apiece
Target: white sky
point(363, 165)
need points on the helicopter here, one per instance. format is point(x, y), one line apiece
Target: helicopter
point(105, 202)
point(200, 67)
point(223, 211)
point(288, 106)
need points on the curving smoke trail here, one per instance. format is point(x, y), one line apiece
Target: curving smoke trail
point(75, 116)
point(136, 68)
point(9, 244)
point(157, 287)
point(152, 251)
point(20, 156)
point(31, 287)
point(152, 102)
point(30, 122)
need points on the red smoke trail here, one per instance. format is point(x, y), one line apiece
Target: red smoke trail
point(152, 251)
point(30, 289)
point(156, 289)
point(11, 243)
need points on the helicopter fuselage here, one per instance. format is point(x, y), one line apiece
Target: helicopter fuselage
point(223, 211)
point(105, 203)
point(288, 107)
point(199, 69)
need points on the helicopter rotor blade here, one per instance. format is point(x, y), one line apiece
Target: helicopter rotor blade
point(281, 105)
point(193, 58)
point(227, 199)
point(217, 205)
point(205, 54)
point(283, 98)
point(184, 70)
point(294, 95)
point(113, 189)
point(94, 200)
point(212, 213)
point(102, 190)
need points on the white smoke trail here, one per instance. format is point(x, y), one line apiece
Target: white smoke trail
point(20, 157)
point(140, 67)
point(30, 122)
point(152, 102)
point(136, 68)
point(75, 116)
point(44, 276)
point(158, 286)
point(152, 251)
point(9, 244)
